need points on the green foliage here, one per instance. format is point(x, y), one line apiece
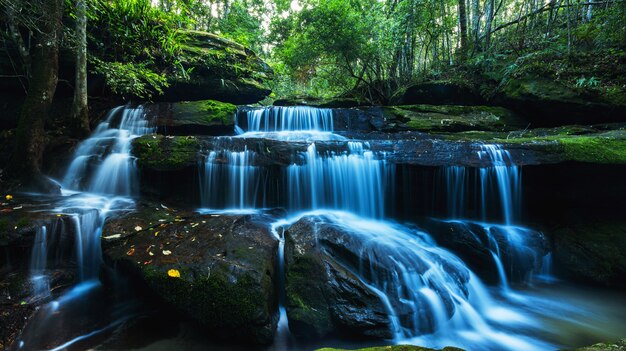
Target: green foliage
point(131, 79)
point(583, 82)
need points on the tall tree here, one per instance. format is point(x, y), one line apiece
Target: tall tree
point(488, 23)
point(80, 109)
point(463, 25)
point(476, 20)
point(44, 60)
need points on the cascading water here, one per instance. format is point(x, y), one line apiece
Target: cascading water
point(102, 163)
point(277, 118)
point(354, 181)
point(229, 180)
point(104, 167)
point(38, 264)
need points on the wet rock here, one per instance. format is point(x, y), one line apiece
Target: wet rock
point(521, 249)
point(219, 69)
point(206, 117)
point(215, 269)
point(161, 153)
point(337, 102)
point(323, 295)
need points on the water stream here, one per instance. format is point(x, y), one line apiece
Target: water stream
point(432, 297)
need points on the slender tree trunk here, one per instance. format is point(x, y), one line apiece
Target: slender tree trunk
point(476, 20)
point(30, 135)
point(488, 23)
point(463, 26)
point(569, 28)
point(80, 110)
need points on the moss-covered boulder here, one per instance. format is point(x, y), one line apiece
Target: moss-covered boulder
point(323, 296)
point(219, 69)
point(337, 102)
point(549, 102)
point(453, 118)
point(205, 117)
point(218, 270)
point(166, 153)
point(591, 251)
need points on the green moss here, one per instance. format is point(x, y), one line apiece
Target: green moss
point(595, 149)
point(163, 153)
point(454, 118)
point(207, 112)
point(213, 299)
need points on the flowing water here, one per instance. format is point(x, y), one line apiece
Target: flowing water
point(431, 296)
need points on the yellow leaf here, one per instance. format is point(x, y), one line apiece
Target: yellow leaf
point(167, 252)
point(9, 197)
point(174, 273)
point(138, 228)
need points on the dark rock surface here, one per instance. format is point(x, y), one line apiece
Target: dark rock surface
point(218, 270)
point(323, 296)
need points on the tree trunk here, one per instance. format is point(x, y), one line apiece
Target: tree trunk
point(463, 26)
point(80, 110)
point(476, 20)
point(30, 135)
point(488, 23)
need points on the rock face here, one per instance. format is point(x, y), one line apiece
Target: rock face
point(218, 270)
point(323, 296)
point(546, 102)
point(521, 249)
point(592, 251)
point(206, 117)
point(219, 69)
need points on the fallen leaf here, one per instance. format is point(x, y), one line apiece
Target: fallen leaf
point(9, 197)
point(114, 236)
point(147, 262)
point(138, 228)
point(131, 251)
point(167, 252)
point(156, 233)
point(174, 273)
point(163, 206)
point(18, 207)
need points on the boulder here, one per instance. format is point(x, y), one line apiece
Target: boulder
point(218, 270)
point(323, 295)
point(457, 118)
point(619, 345)
point(166, 153)
point(548, 102)
point(219, 69)
point(205, 117)
point(521, 250)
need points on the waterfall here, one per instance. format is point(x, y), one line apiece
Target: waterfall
point(506, 177)
point(103, 163)
point(228, 180)
point(354, 181)
point(38, 264)
point(292, 118)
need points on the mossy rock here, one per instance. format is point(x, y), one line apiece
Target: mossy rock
point(454, 118)
point(219, 69)
point(166, 153)
point(205, 117)
point(548, 102)
point(218, 270)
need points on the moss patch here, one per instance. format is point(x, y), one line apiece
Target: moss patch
point(163, 153)
point(454, 118)
point(207, 112)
